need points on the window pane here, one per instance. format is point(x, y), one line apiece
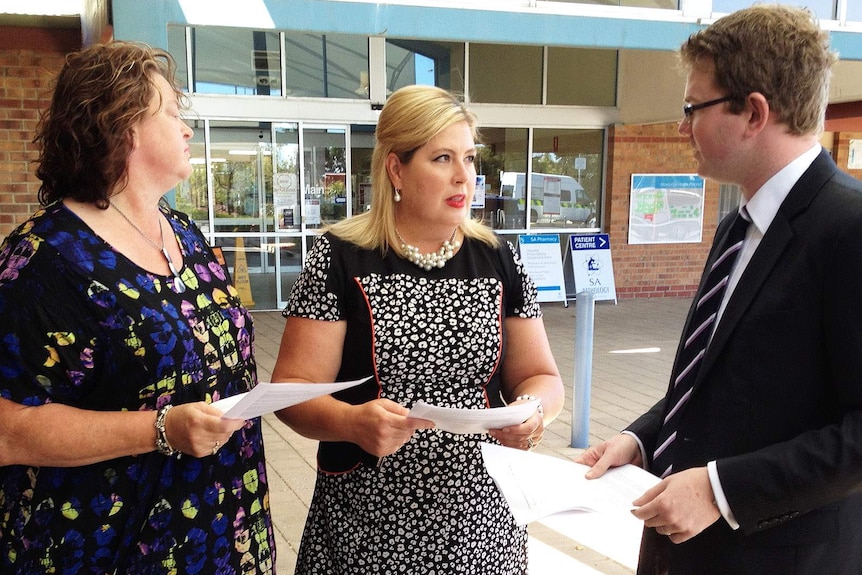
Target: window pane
point(854, 11)
point(242, 176)
point(236, 61)
point(327, 65)
point(666, 4)
point(192, 197)
point(728, 200)
point(565, 185)
point(253, 262)
point(177, 48)
point(824, 9)
point(325, 177)
point(582, 77)
point(361, 147)
point(285, 251)
point(424, 62)
point(518, 82)
point(502, 150)
point(287, 204)
point(288, 261)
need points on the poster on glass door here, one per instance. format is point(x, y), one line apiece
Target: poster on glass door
point(285, 212)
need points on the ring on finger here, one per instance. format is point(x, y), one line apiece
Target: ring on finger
point(530, 443)
point(215, 447)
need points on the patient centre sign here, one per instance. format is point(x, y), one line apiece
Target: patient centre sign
point(592, 266)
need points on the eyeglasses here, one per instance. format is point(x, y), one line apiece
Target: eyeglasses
point(690, 109)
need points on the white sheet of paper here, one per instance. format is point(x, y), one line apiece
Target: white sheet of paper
point(268, 397)
point(537, 485)
point(455, 420)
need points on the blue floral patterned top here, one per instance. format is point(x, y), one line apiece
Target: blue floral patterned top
point(82, 325)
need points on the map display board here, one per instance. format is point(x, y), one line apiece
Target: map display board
point(666, 209)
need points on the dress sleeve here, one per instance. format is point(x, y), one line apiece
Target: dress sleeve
point(522, 300)
point(318, 292)
point(47, 345)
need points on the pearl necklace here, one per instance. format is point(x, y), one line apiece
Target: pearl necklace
point(179, 285)
point(436, 259)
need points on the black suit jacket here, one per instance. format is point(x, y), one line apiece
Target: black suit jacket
point(778, 400)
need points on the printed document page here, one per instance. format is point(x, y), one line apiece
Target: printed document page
point(455, 420)
point(536, 485)
point(269, 397)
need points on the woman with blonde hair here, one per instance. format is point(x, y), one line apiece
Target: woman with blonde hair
point(432, 305)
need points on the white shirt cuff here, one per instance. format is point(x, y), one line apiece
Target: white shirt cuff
point(718, 493)
point(640, 445)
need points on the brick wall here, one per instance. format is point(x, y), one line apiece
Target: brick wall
point(652, 270)
point(28, 60)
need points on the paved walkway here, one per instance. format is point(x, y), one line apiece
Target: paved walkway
point(633, 349)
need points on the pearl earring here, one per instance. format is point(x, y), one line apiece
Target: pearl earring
point(397, 195)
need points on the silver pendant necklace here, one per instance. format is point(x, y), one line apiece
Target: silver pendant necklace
point(179, 285)
point(436, 259)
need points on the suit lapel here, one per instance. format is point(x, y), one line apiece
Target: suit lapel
point(762, 263)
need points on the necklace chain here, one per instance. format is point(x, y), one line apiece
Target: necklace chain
point(140, 231)
point(179, 285)
point(436, 259)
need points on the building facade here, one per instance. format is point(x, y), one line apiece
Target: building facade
point(576, 102)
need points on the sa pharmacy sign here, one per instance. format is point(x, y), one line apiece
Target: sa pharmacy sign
point(592, 266)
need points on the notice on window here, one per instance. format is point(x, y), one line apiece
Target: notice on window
point(543, 261)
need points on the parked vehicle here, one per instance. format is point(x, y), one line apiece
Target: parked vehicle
point(554, 197)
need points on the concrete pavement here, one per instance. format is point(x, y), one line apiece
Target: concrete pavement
point(633, 346)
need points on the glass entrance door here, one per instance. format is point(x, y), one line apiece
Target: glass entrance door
point(325, 165)
point(310, 190)
point(262, 192)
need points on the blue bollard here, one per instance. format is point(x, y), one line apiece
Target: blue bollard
point(584, 322)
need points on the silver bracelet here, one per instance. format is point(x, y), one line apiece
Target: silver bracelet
point(162, 444)
point(533, 398)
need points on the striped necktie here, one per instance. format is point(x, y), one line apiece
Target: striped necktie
point(697, 335)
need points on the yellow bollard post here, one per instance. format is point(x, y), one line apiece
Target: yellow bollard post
point(240, 275)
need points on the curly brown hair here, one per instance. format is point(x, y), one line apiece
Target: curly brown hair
point(778, 51)
point(85, 136)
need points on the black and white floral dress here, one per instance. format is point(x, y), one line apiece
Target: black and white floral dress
point(435, 336)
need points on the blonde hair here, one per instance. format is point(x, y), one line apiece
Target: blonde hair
point(412, 116)
point(778, 51)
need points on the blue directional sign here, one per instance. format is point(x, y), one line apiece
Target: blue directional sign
point(592, 266)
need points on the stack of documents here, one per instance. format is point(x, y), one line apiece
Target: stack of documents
point(536, 486)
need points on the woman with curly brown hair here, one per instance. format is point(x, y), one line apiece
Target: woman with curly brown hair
point(118, 327)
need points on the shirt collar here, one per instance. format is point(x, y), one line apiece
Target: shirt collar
point(764, 204)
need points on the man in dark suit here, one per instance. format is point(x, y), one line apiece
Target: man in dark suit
point(759, 438)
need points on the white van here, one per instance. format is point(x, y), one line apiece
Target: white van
point(554, 197)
